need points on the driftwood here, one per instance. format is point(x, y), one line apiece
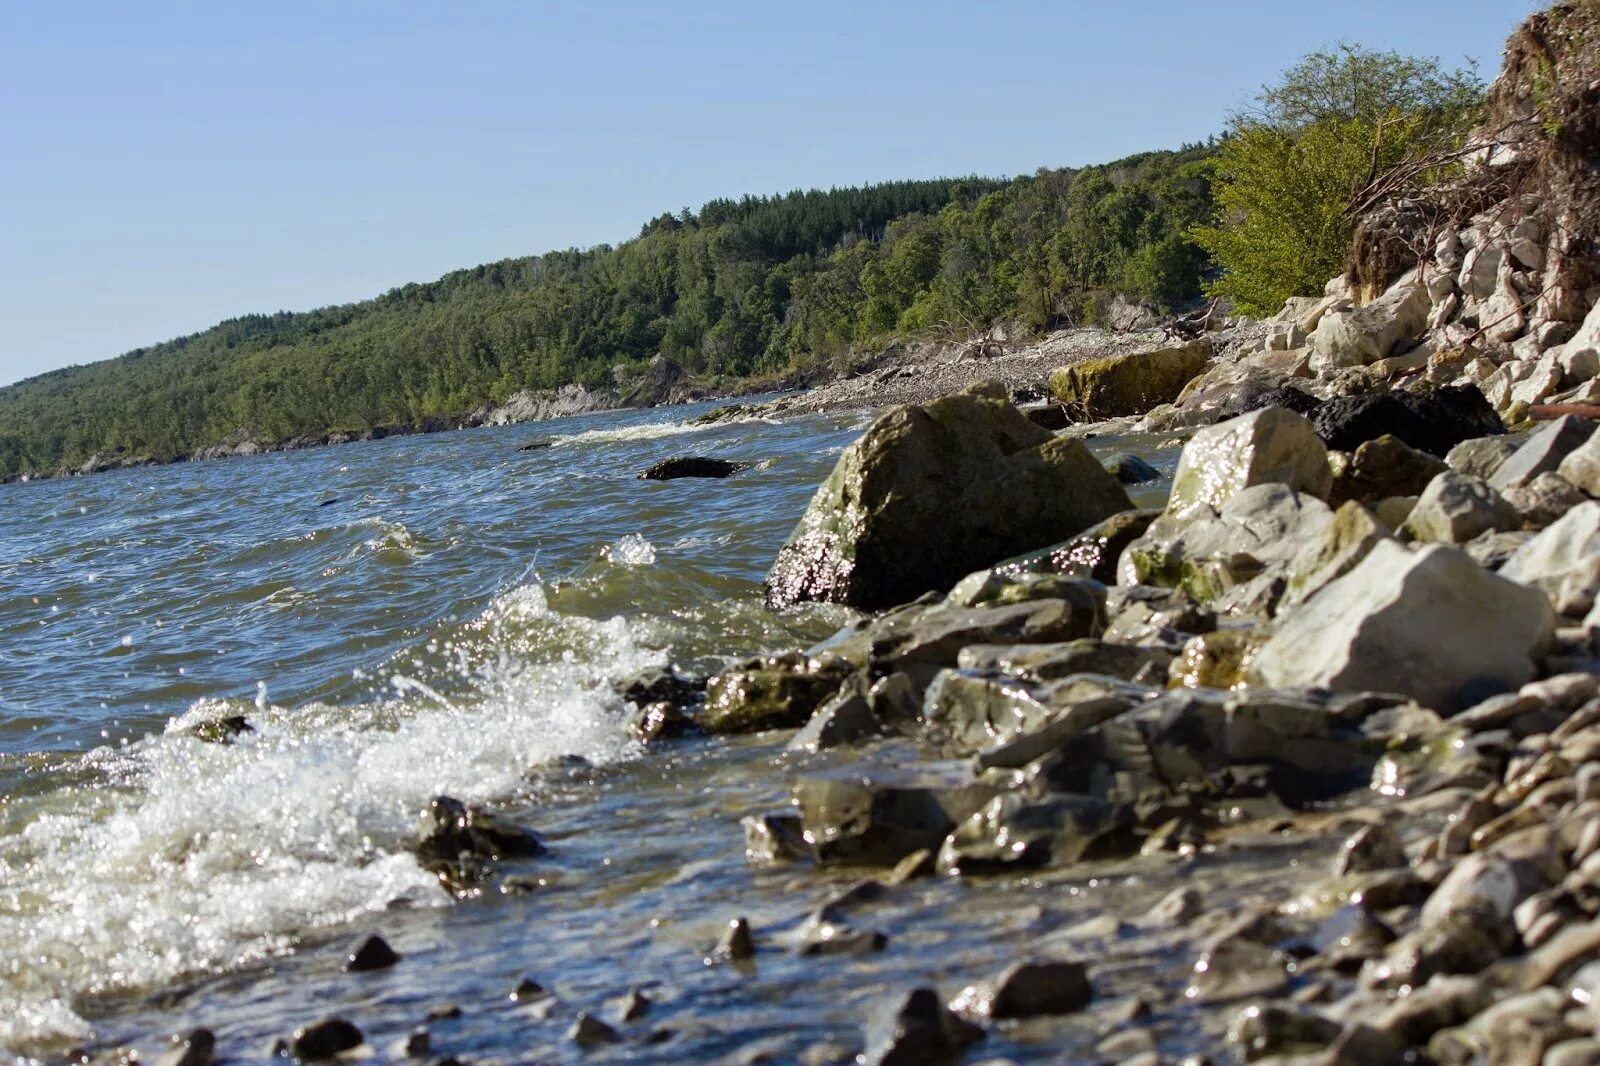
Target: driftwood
point(1556, 410)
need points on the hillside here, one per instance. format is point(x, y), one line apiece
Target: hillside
point(762, 285)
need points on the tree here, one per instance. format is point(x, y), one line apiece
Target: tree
point(1292, 163)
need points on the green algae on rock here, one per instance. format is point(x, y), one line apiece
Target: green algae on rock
point(1128, 384)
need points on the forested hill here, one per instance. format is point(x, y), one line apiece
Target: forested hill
point(754, 286)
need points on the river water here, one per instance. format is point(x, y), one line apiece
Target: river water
point(424, 615)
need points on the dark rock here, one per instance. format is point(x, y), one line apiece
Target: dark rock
point(1370, 848)
point(772, 838)
point(1433, 421)
point(537, 446)
point(936, 637)
point(373, 953)
point(1012, 833)
point(632, 1006)
point(325, 1039)
point(1237, 969)
point(1028, 989)
point(1051, 416)
point(879, 819)
point(915, 1029)
point(1131, 470)
point(692, 466)
point(459, 843)
point(1092, 553)
point(659, 721)
point(770, 693)
point(1286, 396)
point(970, 466)
point(847, 718)
point(661, 684)
point(197, 1047)
point(736, 943)
point(222, 730)
point(825, 934)
point(1382, 467)
point(418, 1044)
point(1263, 1029)
point(528, 989)
point(588, 1031)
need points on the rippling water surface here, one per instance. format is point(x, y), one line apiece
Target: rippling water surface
point(399, 619)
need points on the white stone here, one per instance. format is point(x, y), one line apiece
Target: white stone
point(1361, 335)
point(1430, 624)
point(1269, 445)
point(1456, 508)
point(1578, 364)
point(1544, 450)
point(1440, 286)
point(1480, 271)
point(1448, 252)
point(1581, 466)
point(1541, 378)
point(1563, 561)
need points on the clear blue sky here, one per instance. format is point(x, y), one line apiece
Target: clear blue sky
point(167, 165)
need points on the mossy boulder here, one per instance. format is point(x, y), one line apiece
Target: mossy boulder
point(932, 493)
point(1128, 384)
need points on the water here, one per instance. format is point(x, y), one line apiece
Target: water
point(399, 619)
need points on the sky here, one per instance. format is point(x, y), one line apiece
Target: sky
point(165, 166)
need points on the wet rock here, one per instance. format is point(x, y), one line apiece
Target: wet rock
point(936, 637)
point(1370, 848)
point(1434, 421)
point(1543, 451)
point(528, 990)
point(736, 942)
point(1456, 508)
point(1440, 1003)
point(1092, 553)
point(913, 1029)
point(1131, 470)
point(197, 1047)
point(969, 465)
point(880, 818)
point(774, 838)
point(588, 1031)
point(1263, 1029)
point(373, 953)
point(1178, 907)
point(1563, 561)
point(418, 1044)
point(847, 718)
point(223, 730)
point(987, 588)
point(1011, 832)
point(1271, 445)
point(1012, 723)
point(1356, 336)
point(658, 721)
point(325, 1039)
point(1237, 969)
point(1458, 944)
point(692, 466)
point(825, 933)
point(1382, 467)
point(661, 684)
point(1480, 457)
point(1430, 624)
point(458, 842)
point(771, 693)
point(631, 1006)
point(1028, 989)
point(1128, 384)
point(1052, 662)
point(1215, 660)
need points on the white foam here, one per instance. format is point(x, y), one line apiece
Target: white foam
point(631, 550)
point(199, 857)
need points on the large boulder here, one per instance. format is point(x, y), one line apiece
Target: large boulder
point(1434, 421)
point(1456, 508)
point(1128, 384)
point(1360, 335)
point(1431, 624)
point(930, 494)
point(1269, 445)
point(1563, 561)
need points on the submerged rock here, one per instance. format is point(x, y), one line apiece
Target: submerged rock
point(1131, 470)
point(1128, 384)
point(692, 466)
point(1430, 624)
point(459, 843)
point(325, 1039)
point(1027, 989)
point(970, 466)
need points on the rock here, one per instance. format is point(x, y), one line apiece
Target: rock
point(418, 1044)
point(1178, 907)
point(1361, 335)
point(937, 636)
point(1215, 660)
point(969, 465)
point(770, 693)
point(773, 838)
point(1543, 450)
point(1368, 849)
point(1092, 553)
point(1271, 445)
point(1051, 416)
point(1040, 663)
point(1563, 560)
point(1332, 553)
point(692, 466)
point(528, 990)
point(1263, 1029)
point(197, 1047)
point(1489, 885)
point(1456, 508)
point(1237, 969)
point(1544, 499)
point(847, 718)
point(1382, 467)
point(914, 1029)
point(1013, 723)
point(660, 684)
point(1433, 421)
point(1028, 989)
point(588, 1031)
point(1131, 470)
point(457, 842)
point(222, 730)
point(1012, 833)
point(1480, 457)
point(880, 818)
point(373, 953)
point(736, 942)
point(631, 1006)
point(1128, 384)
point(1429, 624)
point(325, 1039)
point(1581, 466)
point(659, 721)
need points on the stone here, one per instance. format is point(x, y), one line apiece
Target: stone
point(1092, 553)
point(1013, 833)
point(1332, 553)
point(527, 990)
point(1489, 884)
point(880, 818)
point(1178, 907)
point(1563, 560)
point(1131, 470)
point(1581, 466)
point(1012, 723)
point(373, 953)
point(915, 1028)
point(935, 637)
point(1040, 663)
point(658, 721)
point(325, 1039)
point(224, 729)
point(1382, 467)
point(1368, 849)
point(1271, 445)
point(1128, 384)
point(770, 693)
point(1237, 969)
point(588, 1031)
point(1429, 624)
point(969, 465)
point(1026, 990)
point(774, 838)
point(1263, 1029)
point(1215, 660)
point(1456, 508)
point(692, 466)
point(1360, 335)
point(631, 1006)
point(1544, 499)
point(847, 718)
point(197, 1047)
point(1544, 450)
point(736, 942)
point(1433, 421)
point(459, 842)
